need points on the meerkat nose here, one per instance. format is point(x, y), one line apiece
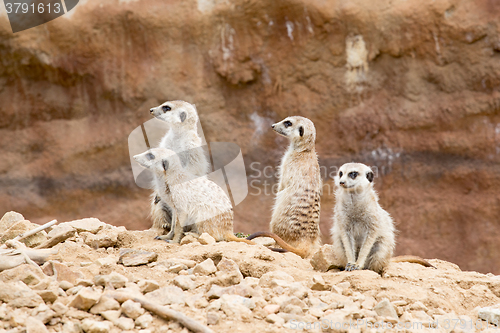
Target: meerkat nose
point(342, 183)
point(151, 110)
point(272, 126)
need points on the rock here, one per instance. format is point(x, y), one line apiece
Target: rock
point(63, 272)
point(240, 290)
point(8, 219)
point(93, 326)
point(185, 282)
point(264, 241)
point(26, 273)
point(132, 309)
point(112, 315)
point(177, 261)
point(48, 296)
point(295, 301)
point(385, 309)
point(228, 273)
point(91, 225)
point(206, 239)
point(85, 299)
point(237, 307)
point(489, 314)
point(130, 257)
point(117, 280)
point(275, 319)
point(147, 286)
point(265, 280)
point(144, 320)
point(125, 323)
point(58, 234)
point(105, 303)
point(422, 317)
point(295, 288)
point(167, 295)
point(212, 318)
point(206, 267)
point(34, 325)
point(20, 227)
point(319, 284)
point(106, 261)
point(188, 239)
point(323, 259)
point(235, 299)
point(71, 327)
point(43, 313)
point(418, 306)
point(65, 285)
point(17, 294)
point(59, 308)
point(272, 308)
point(104, 238)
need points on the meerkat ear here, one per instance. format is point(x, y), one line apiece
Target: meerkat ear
point(183, 116)
point(369, 176)
point(301, 131)
point(164, 163)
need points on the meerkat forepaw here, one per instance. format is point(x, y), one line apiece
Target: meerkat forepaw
point(351, 267)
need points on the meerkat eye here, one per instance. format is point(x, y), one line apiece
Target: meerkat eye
point(353, 174)
point(166, 108)
point(287, 123)
point(340, 174)
point(150, 156)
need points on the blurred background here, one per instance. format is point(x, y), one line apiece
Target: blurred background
point(411, 87)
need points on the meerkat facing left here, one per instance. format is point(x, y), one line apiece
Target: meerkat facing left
point(198, 204)
point(295, 218)
point(183, 139)
point(363, 233)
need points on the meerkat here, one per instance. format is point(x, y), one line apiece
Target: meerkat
point(183, 139)
point(198, 204)
point(363, 233)
point(295, 219)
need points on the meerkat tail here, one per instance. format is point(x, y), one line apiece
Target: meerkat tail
point(231, 237)
point(300, 252)
point(412, 259)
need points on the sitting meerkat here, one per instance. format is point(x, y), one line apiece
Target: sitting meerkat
point(363, 233)
point(183, 139)
point(198, 204)
point(295, 218)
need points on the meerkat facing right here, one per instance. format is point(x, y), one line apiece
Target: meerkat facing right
point(182, 138)
point(363, 233)
point(295, 218)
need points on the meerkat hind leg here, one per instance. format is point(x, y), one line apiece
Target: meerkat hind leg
point(365, 250)
point(349, 252)
point(173, 229)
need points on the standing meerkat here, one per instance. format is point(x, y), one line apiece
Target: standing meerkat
point(198, 204)
point(363, 233)
point(295, 218)
point(183, 139)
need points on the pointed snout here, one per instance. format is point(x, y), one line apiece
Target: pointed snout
point(151, 111)
point(273, 125)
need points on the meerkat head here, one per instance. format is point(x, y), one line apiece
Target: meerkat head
point(159, 160)
point(178, 113)
point(299, 130)
point(354, 177)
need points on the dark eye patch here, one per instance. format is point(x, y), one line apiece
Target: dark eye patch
point(150, 156)
point(183, 116)
point(287, 123)
point(340, 174)
point(166, 108)
point(164, 163)
point(353, 174)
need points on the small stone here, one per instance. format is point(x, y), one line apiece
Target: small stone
point(275, 319)
point(25, 273)
point(9, 219)
point(206, 239)
point(34, 325)
point(85, 299)
point(167, 295)
point(18, 294)
point(125, 323)
point(21, 227)
point(111, 315)
point(48, 296)
point(323, 259)
point(369, 303)
point(62, 271)
point(188, 240)
point(212, 318)
point(43, 313)
point(58, 234)
point(105, 303)
point(84, 283)
point(418, 306)
point(272, 308)
point(65, 285)
point(422, 317)
point(176, 268)
point(319, 284)
point(228, 273)
point(104, 238)
point(130, 257)
point(147, 286)
point(91, 225)
point(177, 261)
point(490, 314)
point(237, 307)
point(185, 282)
point(107, 261)
point(117, 280)
point(264, 241)
point(93, 326)
point(132, 309)
point(144, 321)
point(59, 308)
point(206, 267)
point(71, 327)
point(265, 280)
point(385, 309)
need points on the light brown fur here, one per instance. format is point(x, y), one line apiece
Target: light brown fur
point(295, 218)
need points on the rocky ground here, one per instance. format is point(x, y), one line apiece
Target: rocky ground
point(109, 279)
